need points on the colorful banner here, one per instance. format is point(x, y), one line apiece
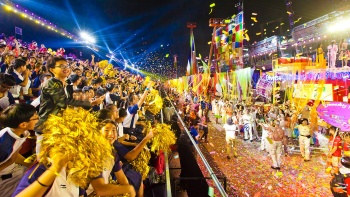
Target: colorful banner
point(336, 114)
point(229, 43)
point(304, 91)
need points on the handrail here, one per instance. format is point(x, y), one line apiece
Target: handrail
point(167, 175)
point(166, 161)
point(211, 172)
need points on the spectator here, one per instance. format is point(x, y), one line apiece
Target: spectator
point(20, 72)
point(7, 81)
point(17, 120)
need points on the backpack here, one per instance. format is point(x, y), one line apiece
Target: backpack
point(338, 185)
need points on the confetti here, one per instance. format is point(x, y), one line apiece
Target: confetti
point(251, 172)
point(211, 7)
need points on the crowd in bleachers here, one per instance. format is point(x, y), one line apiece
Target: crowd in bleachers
point(41, 90)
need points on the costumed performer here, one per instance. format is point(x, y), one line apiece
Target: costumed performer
point(230, 131)
point(332, 54)
point(246, 118)
point(304, 139)
point(319, 55)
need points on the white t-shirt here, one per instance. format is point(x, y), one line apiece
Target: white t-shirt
point(120, 130)
point(246, 119)
point(62, 187)
point(304, 130)
point(230, 132)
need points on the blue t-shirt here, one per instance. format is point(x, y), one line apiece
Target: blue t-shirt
point(3, 68)
point(18, 80)
point(117, 165)
point(194, 133)
point(121, 150)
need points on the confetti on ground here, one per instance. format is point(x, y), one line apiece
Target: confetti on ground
point(251, 172)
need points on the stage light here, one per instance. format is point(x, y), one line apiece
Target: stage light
point(7, 7)
point(340, 25)
point(87, 37)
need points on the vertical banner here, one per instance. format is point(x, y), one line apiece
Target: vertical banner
point(193, 55)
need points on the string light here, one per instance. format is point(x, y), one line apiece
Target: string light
point(38, 20)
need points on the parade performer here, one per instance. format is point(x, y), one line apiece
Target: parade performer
point(247, 126)
point(253, 123)
point(287, 132)
point(230, 131)
point(205, 128)
point(216, 108)
point(319, 54)
point(264, 145)
point(343, 56)
point(332, 54)
point(335, 151)
point(304, 139)
point(277, 136)
point(223, 109)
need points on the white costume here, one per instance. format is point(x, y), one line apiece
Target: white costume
point(332, 55)
point(247, 126)
point(264, 142)
point(304, 141)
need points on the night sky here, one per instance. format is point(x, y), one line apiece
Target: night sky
point(144, 31)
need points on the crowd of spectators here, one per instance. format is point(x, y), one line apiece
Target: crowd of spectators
point(35, 84)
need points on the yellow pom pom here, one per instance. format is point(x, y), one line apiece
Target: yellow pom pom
point(140, 164)
point(154, 102)
point(163, 138)
point(76, 133)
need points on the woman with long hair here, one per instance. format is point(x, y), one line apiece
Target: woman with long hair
point(319, 54)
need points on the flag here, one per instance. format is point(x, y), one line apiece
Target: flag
point(188, 68)
point(18, 30)
point(193, 69)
